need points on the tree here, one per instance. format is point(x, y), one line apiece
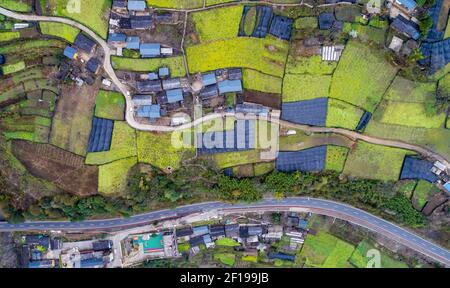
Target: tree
point(425, 25)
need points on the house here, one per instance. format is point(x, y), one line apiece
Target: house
point(149, 111)
point(200, 230)
point(208, 241)
point(281, 256)
point(134, 5)
point(255, 230)
point(92, 263)
point(149, 86)
point(149, 50)
point(396, 44)
point(175, 95)
point(217, 230)
point(230, 86)
point(232, 230)
point(406, 27)
point(209, 91)
point(124, 23)
point(209, 79)
point(163, 72)
point(183, 232)
point(133, 42)
point(84, 43)
point(119, 5)
point(326, 21)
point(409, 5)
point(196, 241)
point(102, 245)
point(173, 83)
point(70, 52)
point(250, 108)
point(141, 22)
point(38, 240)
point(93, 65)
point(152, 76)
point(235, 74)
point(115, 38)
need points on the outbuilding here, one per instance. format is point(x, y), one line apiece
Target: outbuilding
point(150, 50)
point(134, 5)
point(228, 86)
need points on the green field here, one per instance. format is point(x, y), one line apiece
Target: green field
point(266, 55)
point(360, 257)
point(13, 68)
point(112, 177)
point(343, 115)
point(258, 81)
point(306, 23)
point(406, 90)
point(405, 187)
point(215, 2)
point(309, 65)
point(9, 35)
point(175, 64)
point(362, 76)
point(16, 5)
point(31, 44)
point(230, 159)
point(326, 251)
point(62, 30)
point(371, 161)
point(305, 87)
point(227, 242)
point(263, 168)
point(217, 24)
point(423, 192)
point(110, 105)
point(447, 30)
point(93, 14)
point(180, 4)
point(225, 258)
point(336, 157)
point(123, 145)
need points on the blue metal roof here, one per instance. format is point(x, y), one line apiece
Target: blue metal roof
point(302, 223)
point(152, 76)
point(150, 49)
point(136, 5)
point(209, 79)
point(133, 42)
point(230, 86)
point(70, 52)
point(405, 26)
point(199, 230)
point(207, 238)
point(163, 71)
point(117, 37)
point(447, 186)
point(174, 95)
point(408, 4)
point(149, 111)
point(91, 262)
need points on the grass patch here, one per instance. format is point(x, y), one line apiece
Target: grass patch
point(43, 121)
point(359, 257)
point(180, 4)
point(62, 30)
point(16, 5)
point(8, 36)
point(336, 156)
point(218, 24)
point(309, 65)
point(250, 258)
point(423, 192)
point(110, 105)
point(250, 21)
point(409, 91)
point(31, 44)
point(263, 168)
point(230, 159)
point(227, 242)
point(93, 14)
point(305, 87)
point(215, 2)
point(112, 177)
point(405, 187)
point(183, 247)
point(343, 115)
point(258, 81)
point(266, 55)
point(362, 76)
point(123, 145)
point(306, 23)
point(375, 162)
point(13, 68)
point(175, 64)
point(225, 258)
point(447, 30)
point(20, 135)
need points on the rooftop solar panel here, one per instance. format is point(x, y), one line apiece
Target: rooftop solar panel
point(312, 159)
point(415, 168)
point(309, 112)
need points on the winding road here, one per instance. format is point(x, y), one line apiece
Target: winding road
point(319, 206)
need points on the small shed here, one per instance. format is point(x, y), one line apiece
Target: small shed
point(70, 52)
point(447, 186)
point(396, 44)
point(117, 37)
point(163, 72)
point(209, 79)
point(149, 111)
point(175, 95)
point(235, 74)
point(134, 5)
point(173, 83)
point(409, 5)
point(200, 230)
point(152, 76)
point(133, 42)
point(142, 100)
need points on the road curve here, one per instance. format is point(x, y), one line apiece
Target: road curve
point(319, 206)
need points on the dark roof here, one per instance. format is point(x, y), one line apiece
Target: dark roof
point(149, 86)
point(281, 256)
point(2, 59)
point(184, 232)
point(407, 27)
point(42, 240)
point(84, 43)
point(101, 134)
point(235, 74)
point(292, 221)
point(92, 65)
point(141, 22)
point(196, 241)
point(102, 245)
point(243, 231)
point(326, 21)
point(281, 27)
point(209, 91)
point(119, 4)
point(232, 230)
point(312, 159)
point(415, 168)
point(217, 230)
point(172, 83)
point(309, 112)
point(56, 244)
point(125, 23)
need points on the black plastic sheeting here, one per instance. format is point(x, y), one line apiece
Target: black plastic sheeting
point(309, 112)
point(436, 55)
point(365, 118)
point(281, 27)
point(312, 159)
point(415, 168)
point(101, 134)
point(264, 14)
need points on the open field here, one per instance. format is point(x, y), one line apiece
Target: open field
point(123, 145)
point(59, 30)
point(422, 193)
point(214, 2)
point(375, 162)
point(93, 14)
point(180, 4)
point(8, 36)
point(343, 115)
point(217, 24)
point(23, 46)
point(16, 5)
point(408, 91)
point(336, 156)
point(112, 177)
point(13, 68)
point(309, 65)
point(258, 81)
point(362, 76)
point(110, 105)
point(230, 159)
point(360, 257)
point(175, 64)
point(325, 250)
point(302, 141)
point(266, 55)
point(225, 258)
point(227, 242)
point(305, 87)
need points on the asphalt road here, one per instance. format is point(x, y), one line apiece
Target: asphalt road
point(326, 207)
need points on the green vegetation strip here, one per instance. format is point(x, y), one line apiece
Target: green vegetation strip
point(178, 4)
point(110, 105)
point(309, 65)
point(343, 115)
point(305, 87)
point(258, 81)
point(361, 256)
point(16, 5)
point(336, 157)
point(175, 64)
point(8, 36)
point(112, 177)
point(62, 30)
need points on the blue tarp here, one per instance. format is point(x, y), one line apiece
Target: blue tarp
point(312, 159)
point(281, 27)
point(408, 4)
point(309, 112)
point(281, 256)
point(364, 121)
point(436, 54)
point(326, 21)
point(264, 14)
point(434, 13)
point(163, 71)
